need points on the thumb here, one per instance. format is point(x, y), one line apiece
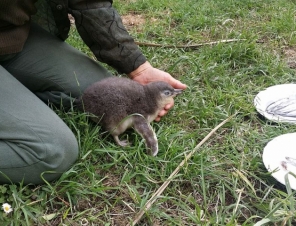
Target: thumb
point(176, 83)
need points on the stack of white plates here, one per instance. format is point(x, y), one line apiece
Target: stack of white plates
point(278, 104)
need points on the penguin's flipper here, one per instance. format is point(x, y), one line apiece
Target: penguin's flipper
point(142, 126)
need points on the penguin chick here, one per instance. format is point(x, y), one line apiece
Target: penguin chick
point(120, 103)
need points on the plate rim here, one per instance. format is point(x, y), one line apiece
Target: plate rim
point(263, 112)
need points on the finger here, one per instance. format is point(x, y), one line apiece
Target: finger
point(173, 82)
point(162, 113)
point(177, 84)
point(169, 106)
point(157, 119)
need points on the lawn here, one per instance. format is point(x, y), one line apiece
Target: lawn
point(225, 181)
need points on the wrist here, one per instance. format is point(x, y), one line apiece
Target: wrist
point(139, 70)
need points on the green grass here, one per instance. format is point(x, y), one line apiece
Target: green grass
point(225, 182)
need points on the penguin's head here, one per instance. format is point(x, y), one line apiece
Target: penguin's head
point(165, 92)
point(165, 89)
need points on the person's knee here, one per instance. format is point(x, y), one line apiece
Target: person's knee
point(47, 160)
point(62, 151)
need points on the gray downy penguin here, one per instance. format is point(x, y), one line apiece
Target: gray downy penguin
point(120, 103)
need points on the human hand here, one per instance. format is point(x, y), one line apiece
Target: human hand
point(146, 74)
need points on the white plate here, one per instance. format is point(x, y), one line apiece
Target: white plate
point(279, 157)
point(277, 103)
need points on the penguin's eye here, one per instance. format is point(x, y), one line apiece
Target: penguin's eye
point(167, 93)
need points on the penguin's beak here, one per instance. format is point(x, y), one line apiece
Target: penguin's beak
point(177, 91)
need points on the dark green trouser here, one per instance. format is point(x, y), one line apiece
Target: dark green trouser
point(33, 139)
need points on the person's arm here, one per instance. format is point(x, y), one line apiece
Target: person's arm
point(101, 28)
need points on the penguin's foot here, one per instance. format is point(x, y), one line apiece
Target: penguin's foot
point(122, 143)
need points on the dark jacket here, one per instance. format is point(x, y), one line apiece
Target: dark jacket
point(97, 22)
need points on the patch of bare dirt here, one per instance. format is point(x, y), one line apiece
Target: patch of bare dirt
point(290, 56)
point(131, 21)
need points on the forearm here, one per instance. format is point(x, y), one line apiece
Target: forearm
point(101, 28)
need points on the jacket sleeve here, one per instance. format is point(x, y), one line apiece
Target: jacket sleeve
point(101, 28)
